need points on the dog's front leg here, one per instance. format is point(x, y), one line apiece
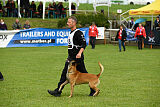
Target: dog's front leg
point(66, 82)
point(72, 89)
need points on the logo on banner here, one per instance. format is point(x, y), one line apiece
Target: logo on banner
point(151, 39)
point(62, 40)
point(3, 37)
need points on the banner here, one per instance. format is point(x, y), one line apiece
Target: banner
point(153, 37)
point(130, 35)
point(100, 33)
point(37, 37)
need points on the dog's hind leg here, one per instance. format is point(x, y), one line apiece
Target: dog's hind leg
point(66, 82)
point(95, 88)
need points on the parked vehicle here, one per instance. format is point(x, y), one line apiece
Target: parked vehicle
point(141, 2)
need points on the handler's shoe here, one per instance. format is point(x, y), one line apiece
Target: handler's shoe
point(1, 79)
point(92, 92)
point(55, 93)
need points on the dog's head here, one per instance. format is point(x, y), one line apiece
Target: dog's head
point(72, 66)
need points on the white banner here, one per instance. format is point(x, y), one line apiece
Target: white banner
point(100, 33)
point(6, 36)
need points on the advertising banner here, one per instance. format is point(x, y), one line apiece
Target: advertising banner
point(100, 33)
point(37, 37)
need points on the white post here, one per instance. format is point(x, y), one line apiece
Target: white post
point(4, 3)
point(109, 4)
point(152, 23)
point(44, 3)
point(77, 3)
point(94, 5)
point(19, 14)
point(70, 12)
point(108, 10)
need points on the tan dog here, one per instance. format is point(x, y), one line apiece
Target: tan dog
point(75, 77)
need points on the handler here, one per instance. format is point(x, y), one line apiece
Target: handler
point(76, 46)
point(93, 32)
point(140, 34)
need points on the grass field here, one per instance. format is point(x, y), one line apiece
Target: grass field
point(130, 79)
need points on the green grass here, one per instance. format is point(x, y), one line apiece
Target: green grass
point(34, 22)
point(130, 79)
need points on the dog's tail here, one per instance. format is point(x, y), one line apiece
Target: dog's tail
point(102, 68)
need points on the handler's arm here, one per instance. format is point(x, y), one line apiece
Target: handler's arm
point(79, 53)
point(82, 43)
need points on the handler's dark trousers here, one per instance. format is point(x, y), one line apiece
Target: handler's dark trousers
point(92, 41)
point(80, 67)
point(140, 37)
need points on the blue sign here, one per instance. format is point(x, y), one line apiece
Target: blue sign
point(130, 35)
point(39, 37)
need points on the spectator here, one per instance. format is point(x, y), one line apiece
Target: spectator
point(27, 25)
point(50, 6)
point(157, 23)
point(1, 6)
point(57, 11)
point(73, 7)
point(40, 9)
point(16, 25)
point(1, 9)
point(131, 22)
point(50, 9)
point(93, 32)
point(8, 6)
point(60, 7)
point(32, 8)
point(54, 6)
point(140, 34)
point(3, 26)
point(13, 9)
point(1, 77)
point(121, 37)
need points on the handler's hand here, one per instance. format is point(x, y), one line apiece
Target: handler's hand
point(78, 55)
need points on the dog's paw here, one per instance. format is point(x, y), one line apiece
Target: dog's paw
point(70, 96)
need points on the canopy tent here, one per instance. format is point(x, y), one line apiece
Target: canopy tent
point(151, 9)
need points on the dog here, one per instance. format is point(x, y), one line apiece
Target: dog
point(74, 77)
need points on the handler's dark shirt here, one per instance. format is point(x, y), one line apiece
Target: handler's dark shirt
point(78, 40)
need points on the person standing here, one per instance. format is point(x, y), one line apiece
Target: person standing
point(140, 34)
point(76, 46)
point(3, 26)
point(131, 22)
point(121, 37)
point(73, 7)
point(93, 32)
point(40, 9)
point(32, 9)
point(157, 23)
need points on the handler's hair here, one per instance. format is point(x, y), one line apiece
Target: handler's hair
point(73, 18)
